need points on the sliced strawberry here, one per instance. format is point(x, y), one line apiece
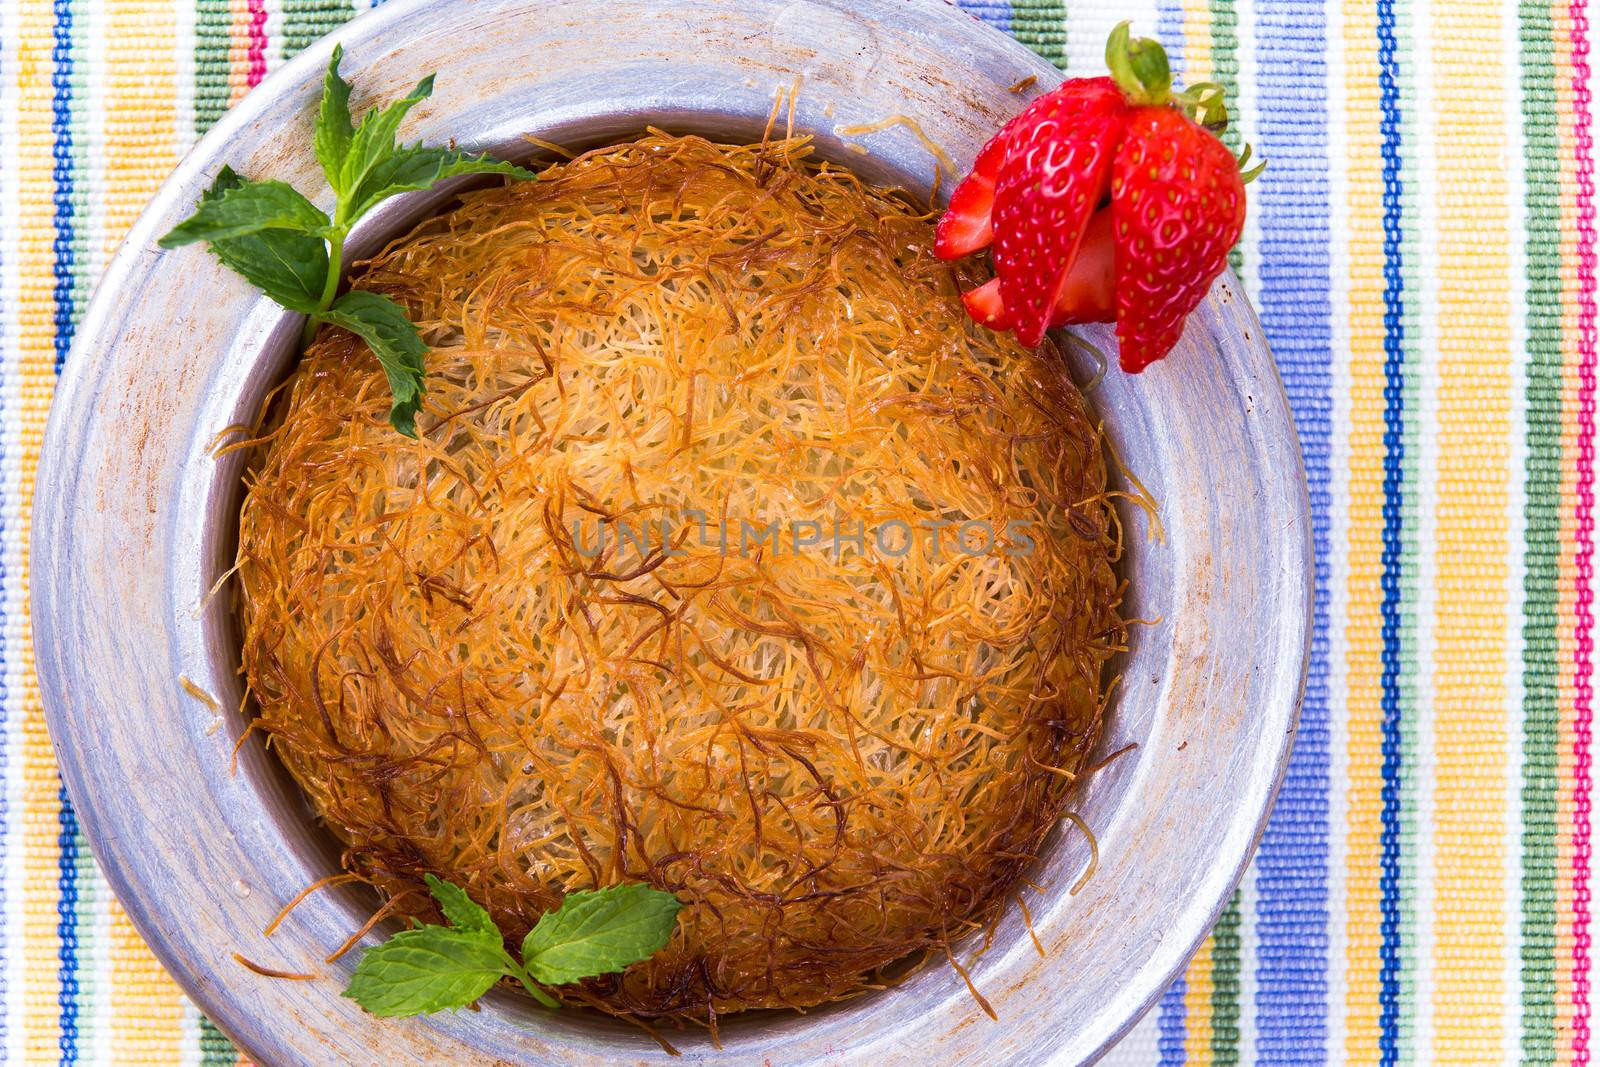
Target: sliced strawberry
point(985, 306)
point(1087, 295)
point(1178, 205)
point(966, 225)
point(1056, 172)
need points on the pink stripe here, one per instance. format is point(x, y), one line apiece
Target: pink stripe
point(256, 54)
point(1583, 668)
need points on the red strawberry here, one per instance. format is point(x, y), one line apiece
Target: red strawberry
point(1057, 170)
point(1088, 292)
point(1178, 203)
point(965, 226)
point(985, 306)
point(1039, 191)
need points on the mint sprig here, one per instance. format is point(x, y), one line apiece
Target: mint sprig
point(599, 932)
point(291, 250)
point(441, 968)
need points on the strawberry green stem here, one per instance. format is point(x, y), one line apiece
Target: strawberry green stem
point(1139, 66)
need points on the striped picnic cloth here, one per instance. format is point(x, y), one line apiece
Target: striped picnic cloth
point(1422, 251)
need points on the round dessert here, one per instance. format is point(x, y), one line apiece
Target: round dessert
point(731, 558)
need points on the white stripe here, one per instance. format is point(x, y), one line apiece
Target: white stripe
point(189, 1052)
point(183, 43)
point(273, 28)
point(1338, 538)
point(1516, 527)
point(1422, 204)
point(99, 1047)
point(1249, 942)
point(1141, 1047)
point(11, 542)
point(1090, 25)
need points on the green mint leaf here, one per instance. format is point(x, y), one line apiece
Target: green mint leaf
point(463, 913)
point(281, 243)
point(371, 144)
point(394, 339)
point(334, 128)
point(431, 968)
point(418, 167)
point(599, 932)
point(236, 207)
point(287, 265)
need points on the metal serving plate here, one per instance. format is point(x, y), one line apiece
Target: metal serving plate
point(135, 520)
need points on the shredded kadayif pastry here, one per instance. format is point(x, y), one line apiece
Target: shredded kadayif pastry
point(556, 643)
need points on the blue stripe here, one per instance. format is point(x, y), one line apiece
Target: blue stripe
point(67, 927)
point(1172, 1024)
point(1169, 31)
point(996, 13)
point(1393, 500)
point(61, 127)
point(1291, 204)
point(65, 320)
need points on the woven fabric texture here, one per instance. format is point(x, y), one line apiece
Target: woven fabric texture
point(1422, 253)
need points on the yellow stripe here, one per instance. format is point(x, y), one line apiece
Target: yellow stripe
point(1363, 623)
point(1474, 487)
point(34, 371)
point(140, 129)
point(1197, 1008)
point(147, 1006)
point(238, 50)
point(1197, 65)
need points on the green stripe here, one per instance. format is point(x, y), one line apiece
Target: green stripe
point(1543, 540)
point(215, 1048)
point(306, 20)
point(1042, 26)
point(1225, 943)
point(87, 878)
point(211, 40)
point(1225, 72)
point(1412, 427)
